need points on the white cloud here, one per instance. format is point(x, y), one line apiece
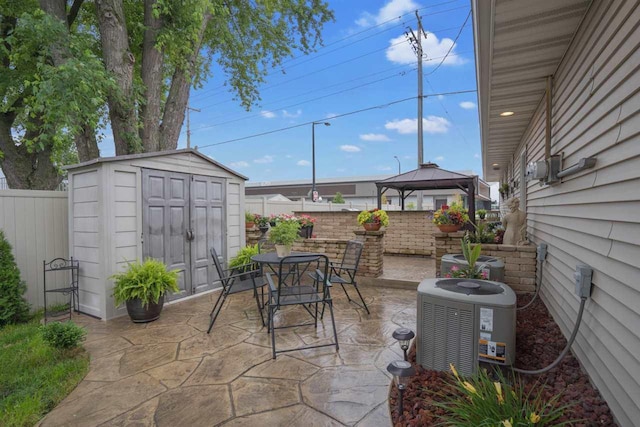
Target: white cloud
point(303, 163)
point(468, 105)
point(264, 159)
point(400, 51)
point(350, 148)
point(476, 156)
point(374, 137)
point(439, 158)
point(384, 168)
point(430, 124)
point(289, 115)
point(240, 164)
point(267, 114)
point(392, 9)
point(331, 115)
point(440, 97)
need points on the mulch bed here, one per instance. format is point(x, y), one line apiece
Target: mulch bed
point(538, 343)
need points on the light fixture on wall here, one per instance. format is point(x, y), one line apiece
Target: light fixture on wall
point(507, 113)
point(495, 167)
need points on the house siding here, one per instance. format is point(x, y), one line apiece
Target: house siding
point(593, 217)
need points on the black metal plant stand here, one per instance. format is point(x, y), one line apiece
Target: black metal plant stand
point(59, 265)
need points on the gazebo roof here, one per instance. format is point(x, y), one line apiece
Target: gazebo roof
point(427, 177)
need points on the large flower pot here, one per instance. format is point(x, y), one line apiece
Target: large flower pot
point(283, 250)
point(143, 314)
point(449, 228)
point(372, 226)
point(306, 232)
point(249, 225)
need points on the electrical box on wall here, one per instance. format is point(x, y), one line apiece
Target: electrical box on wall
point(582, 277)
point(545, 171)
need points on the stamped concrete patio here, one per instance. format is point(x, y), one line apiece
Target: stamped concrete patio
point(171, 373)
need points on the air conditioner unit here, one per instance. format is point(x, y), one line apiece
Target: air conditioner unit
point(463, 321)
point(493, 266)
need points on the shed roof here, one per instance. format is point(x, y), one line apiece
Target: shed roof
point(428, 176)
point(155, 154)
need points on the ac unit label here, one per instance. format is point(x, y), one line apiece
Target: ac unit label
point(486, 319)
point(492, 351)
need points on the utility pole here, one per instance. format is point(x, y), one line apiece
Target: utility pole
point(197, 110)
point(416, 44)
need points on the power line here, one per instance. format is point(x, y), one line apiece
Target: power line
point(388, 104)
point(447, 113)
point(452, 45)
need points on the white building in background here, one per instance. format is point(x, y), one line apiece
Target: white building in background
point(362, 190)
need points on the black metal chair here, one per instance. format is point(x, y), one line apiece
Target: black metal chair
point(242, 278)
point(72, 290)
point(345, 272)
point(302, 280)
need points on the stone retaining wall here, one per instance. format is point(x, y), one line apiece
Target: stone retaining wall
point(408, 233)
point(519, 261)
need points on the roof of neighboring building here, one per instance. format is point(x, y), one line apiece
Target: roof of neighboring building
point(155, 154)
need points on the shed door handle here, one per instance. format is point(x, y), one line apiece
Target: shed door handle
point(189, 234)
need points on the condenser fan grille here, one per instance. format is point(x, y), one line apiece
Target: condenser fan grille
point(469, 287)
point(481, 258)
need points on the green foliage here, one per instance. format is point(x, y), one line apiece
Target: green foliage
point(411, 206)
point(484, 402)
point(243, 257)
point(34, 377)
point(482, 213)
point(249, 217)
point(338, 198)
point(480, 234)
point(373, 216)
point(63, 335)
point(284, 233)
point(471, 255)
point(147, 281)
point(13, 307)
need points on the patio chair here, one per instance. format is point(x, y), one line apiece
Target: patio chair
point(245, 277)
point(296, 286)
point(345, 272)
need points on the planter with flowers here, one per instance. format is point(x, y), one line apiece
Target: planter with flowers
point(473, 269)
point(263, 223)
point(450, 218)
point(283, 235)
point(373, 219)
point(249, 220)
point(306, 225)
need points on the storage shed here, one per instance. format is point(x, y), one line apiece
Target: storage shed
point(169, 205)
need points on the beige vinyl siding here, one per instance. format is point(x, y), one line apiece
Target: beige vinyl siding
point(35, 224)
point(185, 163)
point(594, 217)
point(85, 239)
point(235, 218)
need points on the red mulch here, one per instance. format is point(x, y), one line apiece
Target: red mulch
point(538, 343)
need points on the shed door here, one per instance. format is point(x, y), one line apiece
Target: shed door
point(165, 221)
point(207, 223)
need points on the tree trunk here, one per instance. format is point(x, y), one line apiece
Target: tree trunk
point(86, 143)
point(24, 170)
point(119, 61)
point(152, 64)
point(176, 104)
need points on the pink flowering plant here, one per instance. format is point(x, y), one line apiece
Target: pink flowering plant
point(306, 220)
point(471, 255)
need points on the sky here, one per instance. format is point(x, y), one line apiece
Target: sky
point(366, 62)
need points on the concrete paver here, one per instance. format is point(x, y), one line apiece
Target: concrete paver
point(170, 372)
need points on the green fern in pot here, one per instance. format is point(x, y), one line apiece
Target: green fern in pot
point(142, 287)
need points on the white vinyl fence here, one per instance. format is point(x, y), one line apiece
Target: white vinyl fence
point(266, 207)
point(36, 225)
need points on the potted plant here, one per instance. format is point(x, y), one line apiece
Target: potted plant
point(504, 190)
point(283, 235)
point(482, 213)
point(142, 287)
point(471, 255)
point(450, 218)
point(242, 262)
point(306, 225)
point(249, 220)
point(373, 219)
point(263, 223)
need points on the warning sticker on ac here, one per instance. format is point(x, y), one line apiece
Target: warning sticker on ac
point(492, 351)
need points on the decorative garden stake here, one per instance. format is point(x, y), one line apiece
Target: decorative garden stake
point(401, 371)
point(404, 337)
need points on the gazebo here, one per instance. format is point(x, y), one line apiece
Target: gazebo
point(430, 177)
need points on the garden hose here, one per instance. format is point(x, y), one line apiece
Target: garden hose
point(583, 300)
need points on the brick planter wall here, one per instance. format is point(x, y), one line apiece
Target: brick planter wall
point(519, 261)
point(408, 233)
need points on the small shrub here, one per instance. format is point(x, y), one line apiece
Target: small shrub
point(63, 335)
point(243, 258)
point(147, 281)
point(484, 402)
point(284, 233)
point(13, 307)
point(338, 198)
point(481, 234)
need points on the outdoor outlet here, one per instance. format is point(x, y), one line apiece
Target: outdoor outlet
point(542, 251)
point(582, 278)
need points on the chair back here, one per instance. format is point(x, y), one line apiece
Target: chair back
point(296, 274)
point(352, 254)
point(219, 269)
